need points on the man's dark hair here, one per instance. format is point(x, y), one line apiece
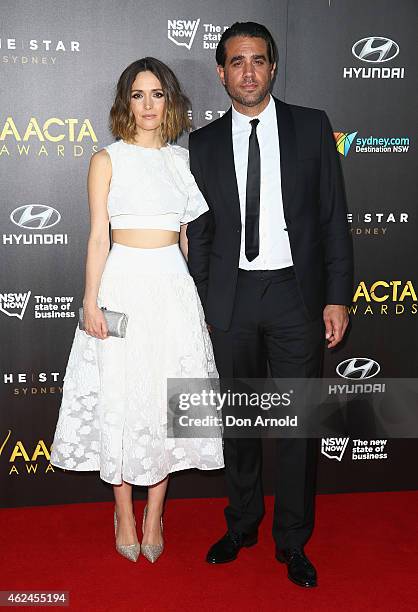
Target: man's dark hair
point(251, 29)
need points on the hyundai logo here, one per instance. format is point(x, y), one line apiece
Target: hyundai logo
point(375, 49)
point(358, 368)
point(35, 216)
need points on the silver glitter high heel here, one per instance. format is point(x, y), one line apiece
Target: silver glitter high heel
point(130, 551)
point(151, 551)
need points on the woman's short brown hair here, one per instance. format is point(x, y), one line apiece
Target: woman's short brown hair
point(176, 119)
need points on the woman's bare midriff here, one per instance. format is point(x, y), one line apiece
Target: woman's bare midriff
point(145, 238)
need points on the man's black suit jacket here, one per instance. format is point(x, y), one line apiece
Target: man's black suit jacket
point(314, 208)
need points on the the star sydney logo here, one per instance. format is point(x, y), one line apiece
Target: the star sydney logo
point(182, 32)
point(344, 141)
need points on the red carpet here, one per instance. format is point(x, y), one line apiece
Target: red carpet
point(364, 546)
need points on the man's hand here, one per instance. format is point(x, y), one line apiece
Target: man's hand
point(336, 321)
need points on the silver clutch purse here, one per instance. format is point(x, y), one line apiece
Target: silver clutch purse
point(116, 321)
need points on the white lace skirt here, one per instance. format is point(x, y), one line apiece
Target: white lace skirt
point(114, 407)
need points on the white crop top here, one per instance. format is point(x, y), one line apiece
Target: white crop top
point(152, 188)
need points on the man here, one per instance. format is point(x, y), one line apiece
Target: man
point(272, 261)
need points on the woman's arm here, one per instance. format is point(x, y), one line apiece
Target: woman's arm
point(184, 245)
point(100, 173)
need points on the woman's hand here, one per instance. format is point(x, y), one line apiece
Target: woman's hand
point(95, 322)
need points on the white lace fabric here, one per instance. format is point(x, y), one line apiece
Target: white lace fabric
point(113, 412)
point(152, 187)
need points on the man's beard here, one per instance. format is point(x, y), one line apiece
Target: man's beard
point(245, 101)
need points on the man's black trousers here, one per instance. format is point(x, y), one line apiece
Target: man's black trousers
point(270, 326)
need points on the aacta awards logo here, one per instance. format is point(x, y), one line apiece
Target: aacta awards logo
point(54, 136)
point(25, 459)
point(383, 297)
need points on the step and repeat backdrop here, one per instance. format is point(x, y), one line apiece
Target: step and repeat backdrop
point(59, 63)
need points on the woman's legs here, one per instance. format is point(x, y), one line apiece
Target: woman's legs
point(155, 505)
point(126, 531)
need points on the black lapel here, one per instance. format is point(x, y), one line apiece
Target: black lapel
point(227, 166)
point(287, 142)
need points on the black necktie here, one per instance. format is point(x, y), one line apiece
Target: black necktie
point(252, 201)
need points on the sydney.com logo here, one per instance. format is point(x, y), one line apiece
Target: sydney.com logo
point(370, 144)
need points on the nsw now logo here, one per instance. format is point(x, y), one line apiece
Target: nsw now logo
point(182, 32)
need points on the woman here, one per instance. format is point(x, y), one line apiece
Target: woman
point(114, 409)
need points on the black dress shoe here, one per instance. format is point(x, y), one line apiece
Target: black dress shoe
point(299, 569)
point(228, 547)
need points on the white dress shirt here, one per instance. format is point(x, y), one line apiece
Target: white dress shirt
point(274, 243)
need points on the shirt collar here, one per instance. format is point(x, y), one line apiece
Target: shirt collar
point(266, 116)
